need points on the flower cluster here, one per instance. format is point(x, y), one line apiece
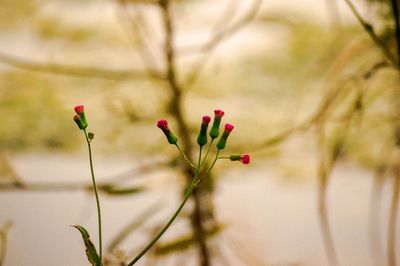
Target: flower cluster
point(202, 138)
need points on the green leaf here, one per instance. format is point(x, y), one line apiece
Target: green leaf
point(91, 252)
point(121, 191)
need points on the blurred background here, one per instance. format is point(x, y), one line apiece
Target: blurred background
point(311, 86)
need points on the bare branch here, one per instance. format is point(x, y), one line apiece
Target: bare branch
point(135, 31)
point(396, 17)
point(76, 71)
point(216, 39)
point(325, 105)
point(370, 30)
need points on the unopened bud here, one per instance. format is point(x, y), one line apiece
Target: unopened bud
point(222, 141)
point(244, 158)
point(214, 132)
point(79, 122)
point(202, 138)
point(163, 125)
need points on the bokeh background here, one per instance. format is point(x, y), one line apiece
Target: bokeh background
point(311, 86)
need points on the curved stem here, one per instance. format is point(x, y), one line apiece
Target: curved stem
point(185, 157)
point(165, 228)
point(208, 151)
point(213, 163)
point(192, 186)
point(325, 226)
point(97, 196)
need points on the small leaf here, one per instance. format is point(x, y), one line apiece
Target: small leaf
point(121, 191)
point(91, 252)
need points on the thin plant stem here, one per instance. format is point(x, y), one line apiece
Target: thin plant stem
point(208, 151)
point(391, 244)
point(189, 191)
point(97, 196)
point(213, 163)
point(185, 157)
point(199, 163)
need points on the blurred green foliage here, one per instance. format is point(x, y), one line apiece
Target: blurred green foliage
point(31, 113)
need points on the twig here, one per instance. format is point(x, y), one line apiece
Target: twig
point(395, 10)
point(370, 30)
point(324, 171)
point(374, 215)
point(326, 165)
point(216, 39)
point(391, 240)
point(323, 108)
point(146, 53)
point(76, 71)
point(3, 240)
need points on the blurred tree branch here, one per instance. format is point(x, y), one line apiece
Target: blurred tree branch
point(135, 31)
point(216, 39)
point(396, 18)
point(3, 240)
point(325, 105)
point(76, 71)
point(370, 30)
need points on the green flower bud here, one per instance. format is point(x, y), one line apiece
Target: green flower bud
point(214, 132)
point(202, 138)
point(222, 141)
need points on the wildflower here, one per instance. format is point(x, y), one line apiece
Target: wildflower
point(222, 141)
point(214, 132)
point(244, 158)
point(80, 111)
point(202, 138)
point(163, 125)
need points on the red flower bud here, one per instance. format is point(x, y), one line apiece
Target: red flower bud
point(79, 109)
point(163, 125)
point(245, 158)
point(202, 138)
point(222, 141)
point(206, 119)
point(219, 113)
point(228, 128)
point(214, 132)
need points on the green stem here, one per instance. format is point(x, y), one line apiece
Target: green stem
point(171, 220)
point(97, 196)
point(215, 160)
point(185, 157)
point(208, 151)
point(199, 163)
